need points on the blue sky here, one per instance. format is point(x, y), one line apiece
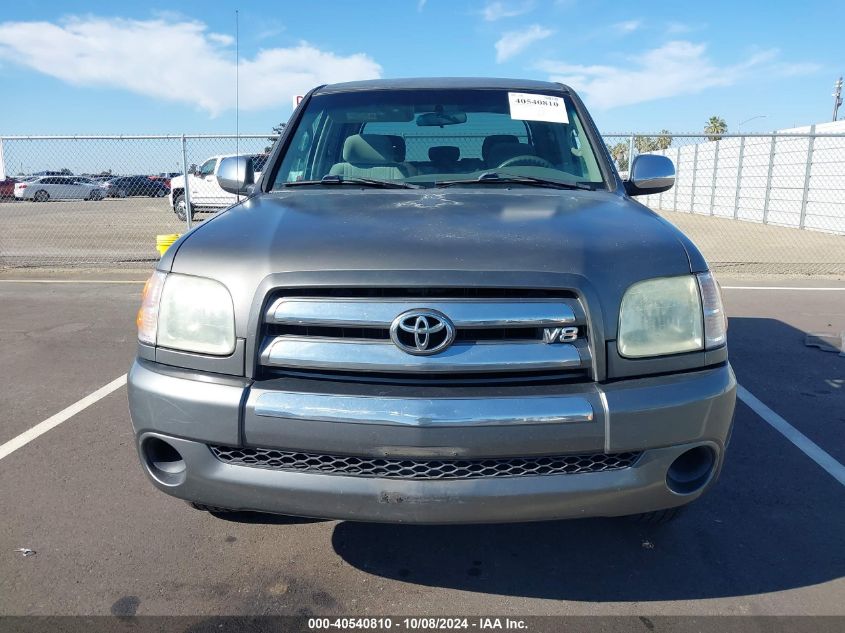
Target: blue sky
point(106, 67)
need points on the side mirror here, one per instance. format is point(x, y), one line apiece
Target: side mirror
point(235, 174)
point(650, 173)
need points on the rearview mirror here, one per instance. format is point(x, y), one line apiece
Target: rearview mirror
point(439, 119)
point(650, 173)
point(235, 174)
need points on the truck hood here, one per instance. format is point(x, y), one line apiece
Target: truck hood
point(596, 241)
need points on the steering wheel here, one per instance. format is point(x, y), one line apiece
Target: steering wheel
point(527, 160)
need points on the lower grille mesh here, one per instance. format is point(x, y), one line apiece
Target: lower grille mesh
point(395, 468)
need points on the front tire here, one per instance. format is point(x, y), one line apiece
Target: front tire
point(180, 207)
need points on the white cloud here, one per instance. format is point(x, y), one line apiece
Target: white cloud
point(628, 26)
point(493, 11)
point(675, 68)
point(221, 38)
point(421, 4)
point(174, 60)
point(514, 42)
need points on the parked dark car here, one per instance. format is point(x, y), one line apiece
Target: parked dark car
point(7, 188)
point(134, 186)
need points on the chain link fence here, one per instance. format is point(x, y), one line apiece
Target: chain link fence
point(101, 201)
point(756, 203)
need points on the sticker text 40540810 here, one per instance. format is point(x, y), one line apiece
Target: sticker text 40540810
point(531, 107)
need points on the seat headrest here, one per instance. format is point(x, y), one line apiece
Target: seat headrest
point(398, 144)
point(505, 151)
point(444, 154)
point(495, 139)
point(368, 148)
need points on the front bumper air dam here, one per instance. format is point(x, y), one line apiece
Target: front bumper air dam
point(664, 417)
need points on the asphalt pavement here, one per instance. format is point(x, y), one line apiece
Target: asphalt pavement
point(767, 540)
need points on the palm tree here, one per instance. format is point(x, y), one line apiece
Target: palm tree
point(619, 152)
point(664, 140)
point(715, 127)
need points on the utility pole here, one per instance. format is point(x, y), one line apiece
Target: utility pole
point(837, 97)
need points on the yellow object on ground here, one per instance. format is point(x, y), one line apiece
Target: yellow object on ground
point(163, 242)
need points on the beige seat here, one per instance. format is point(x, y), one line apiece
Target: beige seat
point(371, 156)
point(398, 144)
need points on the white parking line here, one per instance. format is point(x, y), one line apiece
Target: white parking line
point(840, 288)
point(804, 443)
point(55, 420)
point(72, 281)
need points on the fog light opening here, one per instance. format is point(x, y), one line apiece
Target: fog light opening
point(691, 471)
point(163, 461)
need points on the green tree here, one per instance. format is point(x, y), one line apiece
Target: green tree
point(664, 141)
point(715, 127)
point(619, 152)
point(646, 144)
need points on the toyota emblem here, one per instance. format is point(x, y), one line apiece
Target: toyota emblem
point(422, 332)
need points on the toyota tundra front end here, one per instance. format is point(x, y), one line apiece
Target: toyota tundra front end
point(438, 304)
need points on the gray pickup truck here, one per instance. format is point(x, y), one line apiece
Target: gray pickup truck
point(438, 304)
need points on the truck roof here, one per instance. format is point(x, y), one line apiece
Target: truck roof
point(423, 83)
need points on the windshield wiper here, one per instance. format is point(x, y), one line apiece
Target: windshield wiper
point(353, 180)
point(497, 178)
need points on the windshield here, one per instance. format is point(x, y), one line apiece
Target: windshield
point(429, 137)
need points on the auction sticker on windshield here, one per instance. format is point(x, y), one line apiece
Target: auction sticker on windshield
point(530, 107)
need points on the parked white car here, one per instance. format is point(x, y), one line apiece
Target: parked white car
point(46, 188)
point(205, 193)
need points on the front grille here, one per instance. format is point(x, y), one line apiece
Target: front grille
point(395, 468)
point(355, 333)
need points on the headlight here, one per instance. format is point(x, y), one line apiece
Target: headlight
point(193, 314)
point(660, 316)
